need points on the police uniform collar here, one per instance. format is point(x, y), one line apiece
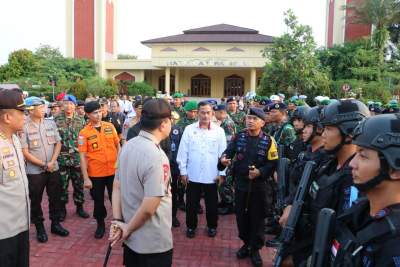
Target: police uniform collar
point(92, 126)
point(29, 119)
point(148, 136)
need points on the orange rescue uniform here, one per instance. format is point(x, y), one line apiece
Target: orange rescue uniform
point(100, 148)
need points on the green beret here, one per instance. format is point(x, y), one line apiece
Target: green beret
point(190, 105)
point(177, 95)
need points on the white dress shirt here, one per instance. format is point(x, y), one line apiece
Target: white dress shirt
point(199, 152)
point(125, 105)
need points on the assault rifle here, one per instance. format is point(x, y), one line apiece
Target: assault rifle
point(289, 229)
point(323, 237)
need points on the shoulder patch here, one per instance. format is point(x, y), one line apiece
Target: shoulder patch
point(175, 132)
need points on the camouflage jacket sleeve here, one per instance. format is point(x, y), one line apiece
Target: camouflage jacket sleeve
point(288, 135)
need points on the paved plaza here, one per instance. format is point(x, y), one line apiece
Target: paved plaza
point(82, 249)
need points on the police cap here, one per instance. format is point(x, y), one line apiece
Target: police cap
point(91, 106)
point(12, 99)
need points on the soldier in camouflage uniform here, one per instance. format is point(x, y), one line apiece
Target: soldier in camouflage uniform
point(225, 189)
point(190, 115)
point(69, 123)
point(282, 130)
point(236, 115)
point(178, 105)
point(284, 134)
point(188, 118)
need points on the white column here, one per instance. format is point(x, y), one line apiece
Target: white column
point(253, 80)
point(167, 80)
point(177, 89)
point(69, 38)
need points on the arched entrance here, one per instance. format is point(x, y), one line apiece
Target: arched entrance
point(161, 84)
point(233, 86)
point(200, 86)
point(124, 79)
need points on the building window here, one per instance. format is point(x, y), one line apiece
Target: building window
point(201, 49)
point(200, 86)
point(161, 84)
point(233, 86)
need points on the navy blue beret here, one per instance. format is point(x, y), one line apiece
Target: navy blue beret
point(257, 112)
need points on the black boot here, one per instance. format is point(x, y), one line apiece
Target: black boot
point(100, 230)
point(57, 229)
point(41, 235)
point(243, 252)
point(256, 258)
point(63, 213)
point(81, 212)
point(175, 222)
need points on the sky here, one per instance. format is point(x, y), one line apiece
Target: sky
point(29, 23)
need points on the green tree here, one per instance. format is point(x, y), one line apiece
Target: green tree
point(357, 64)
point(380, 13)
point(292, 66)
point(21, 63)
point(141, 88)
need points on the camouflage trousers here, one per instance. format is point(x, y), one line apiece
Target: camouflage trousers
point(226, 192)
point(74, 174)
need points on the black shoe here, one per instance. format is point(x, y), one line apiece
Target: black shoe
point(256, 258)
point(57, 229)
point(175, 222)
point(190, 233)
point(41, 234)
point(243, 252)
point(100, 230)
point(212, 232)
point(182, 206)
point(63, 214)
point(273, 243)
point(81, 212)
point(200, 210)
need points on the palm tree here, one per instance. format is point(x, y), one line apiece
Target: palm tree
point(379, 13)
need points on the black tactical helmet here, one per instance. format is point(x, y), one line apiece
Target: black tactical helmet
point(381, 133)
point(313, 116)
point(300, 112)
point(344, 114)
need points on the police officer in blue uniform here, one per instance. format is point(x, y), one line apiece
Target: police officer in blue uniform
point(175, 139)
point(368, 234)
point(253, 155)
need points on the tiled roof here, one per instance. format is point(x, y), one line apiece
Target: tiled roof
point(220, 33)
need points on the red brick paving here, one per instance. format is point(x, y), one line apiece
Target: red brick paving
point(80, 248)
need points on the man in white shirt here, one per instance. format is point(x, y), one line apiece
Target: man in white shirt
point(125, 105)
point(200, 148)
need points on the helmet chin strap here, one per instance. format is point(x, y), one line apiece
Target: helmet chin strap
point(338, 146)
point(313, 134)
point(383, 175)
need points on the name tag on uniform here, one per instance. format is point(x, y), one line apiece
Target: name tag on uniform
point(108, 131)
point(92, 137)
